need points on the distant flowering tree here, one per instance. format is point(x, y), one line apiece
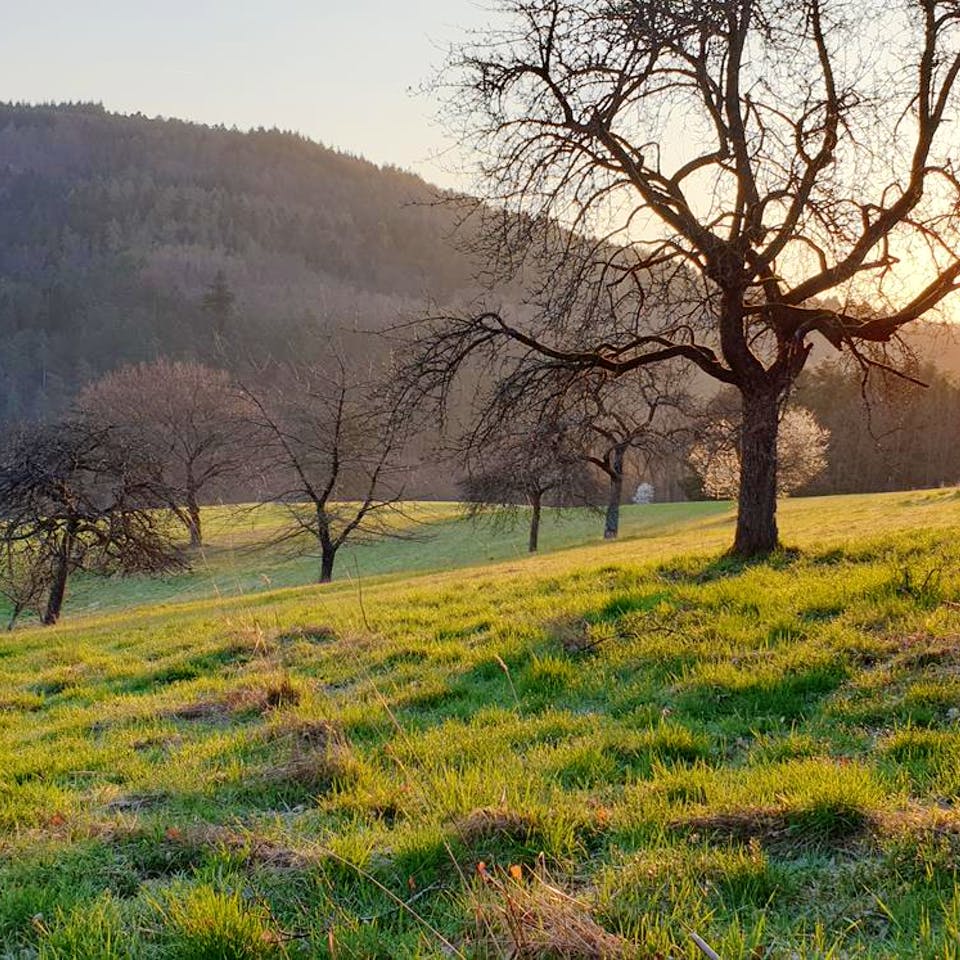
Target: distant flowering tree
point(186, 418)
point(643, 494)
point(801, 455)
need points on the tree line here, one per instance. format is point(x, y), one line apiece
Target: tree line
point(116, 229)
point(116, 484)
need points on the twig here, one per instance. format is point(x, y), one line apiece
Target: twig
point(506, 671)
point(402, 904)
point(363, 612)
point(703, 946)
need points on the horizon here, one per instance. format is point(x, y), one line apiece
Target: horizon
point(321, 73)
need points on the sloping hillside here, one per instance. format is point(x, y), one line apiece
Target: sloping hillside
point(589, 754)
point(114, 229)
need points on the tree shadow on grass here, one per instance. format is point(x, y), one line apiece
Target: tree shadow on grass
point(698, 571)
point(789, 696)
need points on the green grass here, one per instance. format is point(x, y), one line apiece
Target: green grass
point(768, 754)
point(239, 558)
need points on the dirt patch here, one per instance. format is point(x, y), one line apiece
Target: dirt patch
point(799, 829)
point(136, 801)
point(785, 830)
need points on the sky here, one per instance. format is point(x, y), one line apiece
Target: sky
point(344, 73)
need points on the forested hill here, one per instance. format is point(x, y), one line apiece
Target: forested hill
point(113, 230)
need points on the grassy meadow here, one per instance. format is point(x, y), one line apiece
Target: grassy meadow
point(597, 752)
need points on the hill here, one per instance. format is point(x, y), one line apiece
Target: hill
point(591, 753)
point(115, 228)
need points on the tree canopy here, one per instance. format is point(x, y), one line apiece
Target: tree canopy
point(721, 182)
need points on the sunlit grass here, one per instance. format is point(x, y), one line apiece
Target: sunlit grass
point(766, 753)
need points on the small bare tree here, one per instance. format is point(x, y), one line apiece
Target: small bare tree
point(644, 414)
point(526, 465)
point(74, 497)
point(185, 418)
point(24, 577)
point(330, 447)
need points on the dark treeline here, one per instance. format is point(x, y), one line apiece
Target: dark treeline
point(116, 229)
point(890, 435)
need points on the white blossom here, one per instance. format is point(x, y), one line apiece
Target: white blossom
point(801, 456)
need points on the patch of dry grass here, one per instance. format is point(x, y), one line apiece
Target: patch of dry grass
point(520, 915)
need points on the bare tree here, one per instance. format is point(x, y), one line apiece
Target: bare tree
point(645, 414)
point(331, 448)
point(530, 464)
point(732, 179)
point(74, 497)
point(185, 417)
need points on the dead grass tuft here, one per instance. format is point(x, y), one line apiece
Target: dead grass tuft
point(312, 773)
point(921, 650)
point(157, 742)
point(317, 633)
point(917, 822)
point(491, 823)
point(306, 732)
point(213, 710)
point(574, 636)
point(273, 694)
point(318, 756)
point(527, 918)
point(252, 849)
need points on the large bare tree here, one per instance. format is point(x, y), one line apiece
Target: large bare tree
point(721, 181)
point(186, 417)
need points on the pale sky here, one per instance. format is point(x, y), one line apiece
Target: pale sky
point(341, 73)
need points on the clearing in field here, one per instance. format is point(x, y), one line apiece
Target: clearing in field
point(593, 753)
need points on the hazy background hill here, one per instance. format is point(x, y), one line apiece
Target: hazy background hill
point(124, 238)
point(114, 228)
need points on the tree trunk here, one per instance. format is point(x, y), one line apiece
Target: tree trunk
point(58, 584)
point(328, 549)
point(757, 508)
point(327, 556)
point(535, 503)
point(193, 521)
point(611, 526)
